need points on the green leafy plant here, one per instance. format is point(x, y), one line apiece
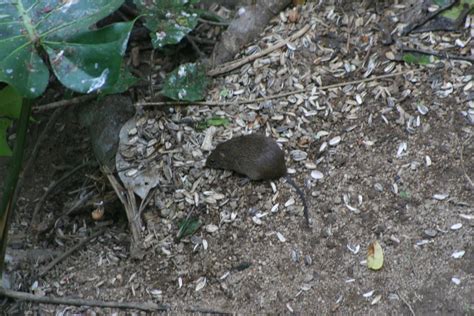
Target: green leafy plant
point(420, 59)
point(215, 121)
point(36, 36)
point(404, 194)
point(454, 12)
point(168, 20)
point(10, 109)
point(188, 227)
point(83, 60)
point(187, 82)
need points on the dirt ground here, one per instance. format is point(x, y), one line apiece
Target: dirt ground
point(405, 183)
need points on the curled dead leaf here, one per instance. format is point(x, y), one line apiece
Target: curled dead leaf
point(375, 256)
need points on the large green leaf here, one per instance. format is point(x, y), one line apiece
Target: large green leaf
point(454, 12)
point(4, 148)
point(168, 20)
point(10, 105)
point(10, 108)
point(90, 61)
point(81, 58)
point(188, 82)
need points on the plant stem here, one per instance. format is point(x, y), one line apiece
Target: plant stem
point(7, 203)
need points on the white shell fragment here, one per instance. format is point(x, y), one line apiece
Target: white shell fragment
point(422, 109)
point(456, 280)
point(368, 294)
point(211, 228)
point(290, 202)
point(440, 197)
point(298, 155)
point(422, 242)
point(376, 299)
point(275, 208)
point(401, 149)
point(318, 175)
point(323, 147)
point(321, 134)
point(354, 249)
point(467, 216)
point(335, 141)
point(456, 226)
point(281, 237)
point(256, 220)
point(207, 142)
point(200, 283)
point(427, 161)
point(458, 254)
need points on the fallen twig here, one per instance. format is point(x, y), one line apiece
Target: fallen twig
point(407, 304)
point(224, 23)
point(127, 197)
point(44, 133)
point(34, 153)
point(62, 103)
point(52, 186)
point(206, 311)
point(221, 69)
point(270, 97)
point(81, 302)
point(462, 163)
point(69, 252)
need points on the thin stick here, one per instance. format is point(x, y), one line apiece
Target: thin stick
point(236, 64)
point(462, 162)
point(51, 188)
point(127, 197)
point(195, 47)
point(428, 17)
point(58, 104)
point(225, 23)
point(206, 311)
point(271, 97)
point(66, 254)
point(407, 304)
point(32, 157)
point(81, 302)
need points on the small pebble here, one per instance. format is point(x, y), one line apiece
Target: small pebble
point(430, 233)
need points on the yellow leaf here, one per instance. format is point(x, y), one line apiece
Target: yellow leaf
point(375, 256)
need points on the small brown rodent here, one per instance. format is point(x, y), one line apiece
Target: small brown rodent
point(255, 156)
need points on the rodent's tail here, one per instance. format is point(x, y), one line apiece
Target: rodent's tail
point(301, 194)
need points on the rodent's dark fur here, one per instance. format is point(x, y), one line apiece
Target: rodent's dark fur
point(255, 156)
